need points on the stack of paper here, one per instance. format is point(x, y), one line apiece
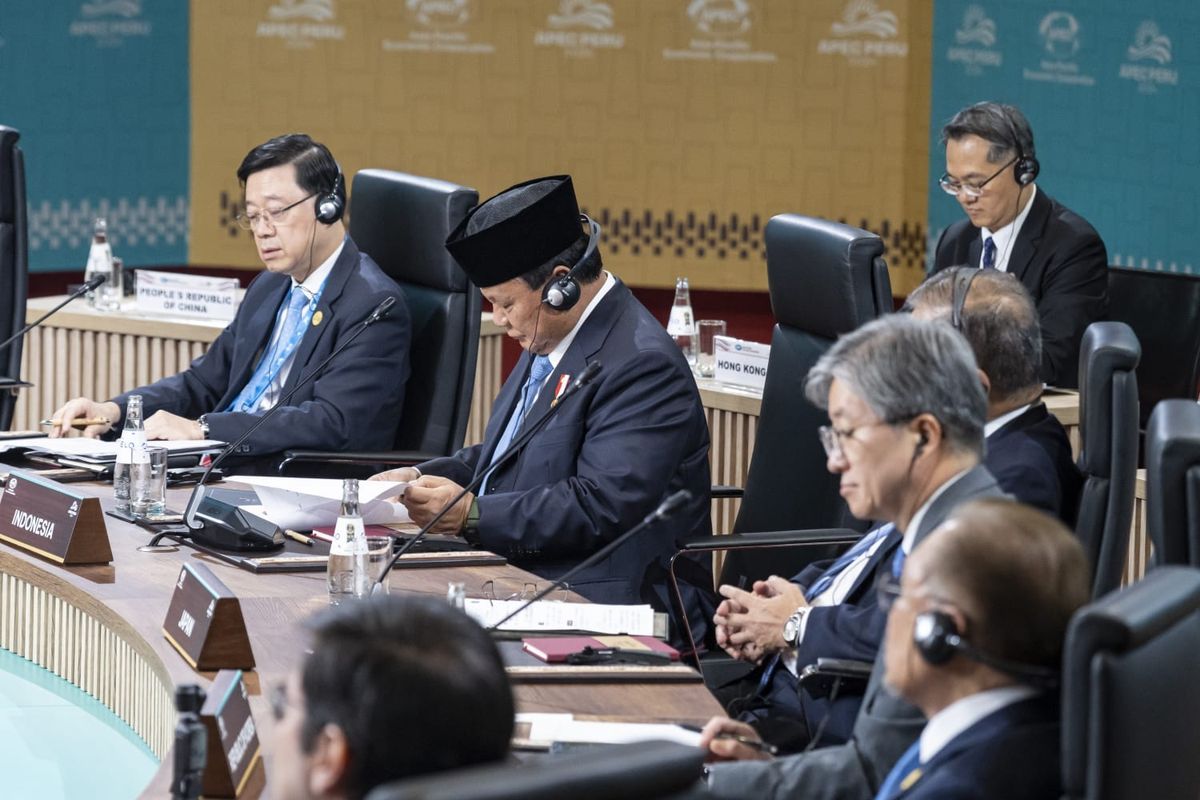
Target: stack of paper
point(301, 504)
point(546, 729)
point(556, 616)
point(98, 451)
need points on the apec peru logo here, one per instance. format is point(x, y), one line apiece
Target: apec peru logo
point(1149, 45)
point(440, 13)
point(974, 42)
point(720, 17)
point(441, 26)
point(1061, 38)
point(580, 28)
point(110, 22)
point(864, 34)
point(721, 32)
point(301, 23)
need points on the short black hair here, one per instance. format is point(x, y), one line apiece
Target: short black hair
point(416, 686)
point(537, 277)
point(1003, 126)
point(316, 169)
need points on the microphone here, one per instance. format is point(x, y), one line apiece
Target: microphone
point(515, 446)
point(665, 509)
point(82, 290)
point(218, 524)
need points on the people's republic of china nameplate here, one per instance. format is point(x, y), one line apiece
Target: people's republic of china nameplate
point(54, 522)
point(204, 622)
point(232, 733)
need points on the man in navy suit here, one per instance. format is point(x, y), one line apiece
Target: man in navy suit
point(316, 290)
point(907, 412)
point(612, 452)
point(1028, 451)
point(974, 639)
point(1013, 226)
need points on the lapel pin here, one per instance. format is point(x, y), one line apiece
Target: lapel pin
point(317, 317)
point(564, 381)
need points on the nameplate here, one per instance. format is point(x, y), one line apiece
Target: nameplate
point(182, 295)
point(204, 622)
point(741, 363)
point(54, 522)
point(231, 733)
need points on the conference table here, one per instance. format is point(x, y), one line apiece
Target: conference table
point(100, 627)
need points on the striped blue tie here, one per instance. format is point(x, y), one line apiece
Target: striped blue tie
point(863, 545)
point(989, 253)
point(538, 372)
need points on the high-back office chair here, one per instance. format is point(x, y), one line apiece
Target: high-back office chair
point(402, 222)
point(1108, 422)
point(1163, 309)
point(1130, 702)
point(14, 265)
point(1173, 482)
point(644, 771)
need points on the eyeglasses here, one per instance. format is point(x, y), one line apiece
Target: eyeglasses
point(499, 589)
point(952, 187)
point(274, 216)
point(832, 438)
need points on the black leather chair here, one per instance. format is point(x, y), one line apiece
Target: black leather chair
point(1130, 698)
point(402, 222)
point(645, 771)
point(1164, 311)
point(14, 266)
point(1173, 482)
point(1108, 422)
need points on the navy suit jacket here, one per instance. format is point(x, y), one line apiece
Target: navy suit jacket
point(353, 405)
point(607, 458)
point(1011, 753)
point(1061, 260)
point(1031, 459)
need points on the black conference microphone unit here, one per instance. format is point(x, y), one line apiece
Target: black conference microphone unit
point(665, 509)
point(215, 523)
point(82, 290)
point(585, 377)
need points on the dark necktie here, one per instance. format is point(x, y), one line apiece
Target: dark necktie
point(989, 253)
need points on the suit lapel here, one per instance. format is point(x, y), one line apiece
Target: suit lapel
point(322, 317)
point(975, 248)
point(978, 482)
point(1029, 236)
point(1033, 415)
point(503, 408)
point(254, 340)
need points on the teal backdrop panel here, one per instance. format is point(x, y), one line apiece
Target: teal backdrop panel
point(1112, 90)
point(99, 92)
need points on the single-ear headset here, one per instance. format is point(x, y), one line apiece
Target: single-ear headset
point(331, 205)
point(1026, 167)
point(563, 293)
point(937, 639)
point(962, 285)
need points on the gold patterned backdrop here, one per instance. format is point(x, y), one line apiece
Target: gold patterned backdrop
point(686, 124)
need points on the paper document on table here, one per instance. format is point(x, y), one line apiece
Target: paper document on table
point(550, 728)
point(302, 504)
point(552, 615)
point(100, 450)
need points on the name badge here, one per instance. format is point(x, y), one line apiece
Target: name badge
point(204, 622)
point(57, 523)
point(232, 733)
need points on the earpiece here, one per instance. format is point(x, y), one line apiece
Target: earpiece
point(331, 205)
point(937, 639)
point(1026, 167)
point(563, 293)
point(921, 442)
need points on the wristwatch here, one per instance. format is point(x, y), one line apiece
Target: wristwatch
point(203, 426)
point(793, 626)
point(471, 523)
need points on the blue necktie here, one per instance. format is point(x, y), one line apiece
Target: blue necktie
point(906, 772)
point(846, 559)
point(538, 372)
point(281, 348)
point(989, 253)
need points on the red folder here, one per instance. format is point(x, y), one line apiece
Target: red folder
point(555, 649)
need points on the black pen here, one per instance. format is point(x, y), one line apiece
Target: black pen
point(753, 744)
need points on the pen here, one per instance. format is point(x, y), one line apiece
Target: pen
point(754, 744)
point(296, 536)
point(77, 423)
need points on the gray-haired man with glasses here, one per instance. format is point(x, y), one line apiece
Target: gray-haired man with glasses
point(1013, 226)
point(316, 289)
point(906, 413)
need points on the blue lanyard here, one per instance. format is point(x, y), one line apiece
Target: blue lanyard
point(278, 355)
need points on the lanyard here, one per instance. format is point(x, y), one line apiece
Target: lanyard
point(279, 354)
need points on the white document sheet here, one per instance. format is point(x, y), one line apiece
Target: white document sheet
point(82, 447)
point(551, 615)
point(302, 504)
point(550, 728)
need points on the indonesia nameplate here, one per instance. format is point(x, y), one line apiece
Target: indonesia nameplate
point(53, 521)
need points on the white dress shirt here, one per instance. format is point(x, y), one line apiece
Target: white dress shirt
point(962, 714)
point(1006, 237)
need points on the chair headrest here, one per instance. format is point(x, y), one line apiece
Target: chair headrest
point(8, 152)
point(1108, 348)
point(1172, 452)
point(402, 222)
point(820, 274)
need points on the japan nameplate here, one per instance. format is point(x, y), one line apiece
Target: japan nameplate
point(204, 622)
point(53, 521)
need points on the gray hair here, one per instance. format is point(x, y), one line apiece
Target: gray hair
point(1003, 126)
point(903, 367)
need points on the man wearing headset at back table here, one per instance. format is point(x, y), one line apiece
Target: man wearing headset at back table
point(1013, 226)
point(316, 289)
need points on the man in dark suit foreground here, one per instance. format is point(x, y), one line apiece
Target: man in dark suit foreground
point(906, 409)
point(1028, 451)
point(1013, 226)
point(394, 687)
point(612, 452)
point(974, 639)
point(316, 289)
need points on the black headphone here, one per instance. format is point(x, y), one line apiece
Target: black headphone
point(937, 639)
point(563, 293)
point(331, 205)
point(1026, 167)
point(958, 297)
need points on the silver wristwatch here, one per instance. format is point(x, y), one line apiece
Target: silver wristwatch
point(203, 426)
point(793, 626)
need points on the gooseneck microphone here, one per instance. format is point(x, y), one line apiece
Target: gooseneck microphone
point(218, 524)
point(665, 509)
point(82, 290)
point(514, 447)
